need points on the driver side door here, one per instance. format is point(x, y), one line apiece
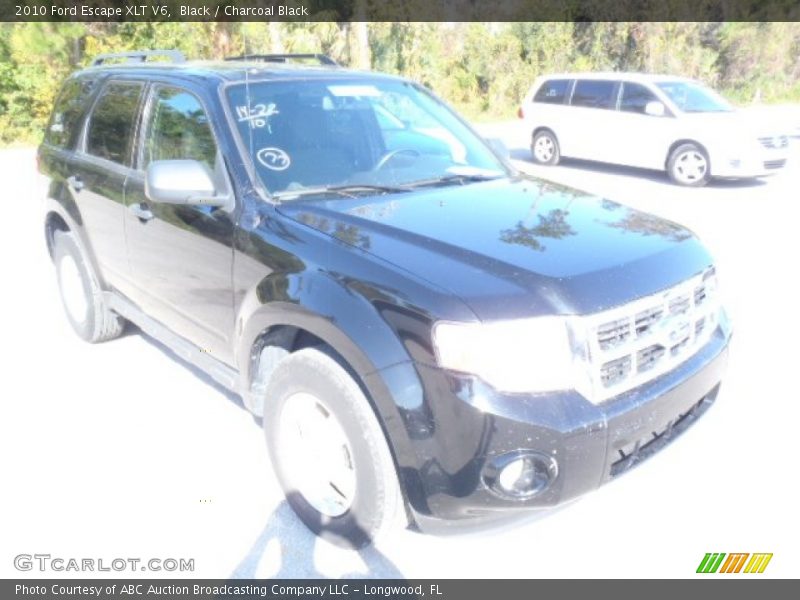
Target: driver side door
point(181, 256)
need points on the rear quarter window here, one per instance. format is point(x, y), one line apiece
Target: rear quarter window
point(553, 91)
point(68, 112)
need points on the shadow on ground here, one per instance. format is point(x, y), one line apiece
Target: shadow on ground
point(524, 155)
point(286, 549)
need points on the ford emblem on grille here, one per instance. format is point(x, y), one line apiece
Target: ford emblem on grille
point(675, 329)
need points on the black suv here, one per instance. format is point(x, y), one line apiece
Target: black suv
point(430, 336)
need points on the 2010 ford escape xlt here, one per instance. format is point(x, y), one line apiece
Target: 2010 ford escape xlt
point(431, 337)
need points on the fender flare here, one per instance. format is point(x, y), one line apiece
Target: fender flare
point(67, 210)
point(358, 333)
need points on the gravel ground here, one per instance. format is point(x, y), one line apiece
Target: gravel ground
point(122, 451)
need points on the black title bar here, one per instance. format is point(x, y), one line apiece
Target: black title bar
point(399, 10)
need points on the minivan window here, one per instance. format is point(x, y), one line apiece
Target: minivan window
point(635, 97)
point(553, 91)
point(69, 108)
point(179, 129)
point(111, 124)
point(594, 93)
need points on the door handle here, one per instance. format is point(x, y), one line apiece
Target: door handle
point(141, 211)
point(75, 182)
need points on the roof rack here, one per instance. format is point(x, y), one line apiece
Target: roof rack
point(175, 56)
point(282, 58)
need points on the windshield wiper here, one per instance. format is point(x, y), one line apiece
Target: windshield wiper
point(459, 178)
point(352, 190)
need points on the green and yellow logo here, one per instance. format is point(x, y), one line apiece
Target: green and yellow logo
point(713, 562)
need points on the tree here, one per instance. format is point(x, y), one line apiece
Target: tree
point(484, 69)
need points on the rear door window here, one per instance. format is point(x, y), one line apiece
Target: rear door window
point(594, 93)
point(635, 97)
point(553, 91)
point(68, 111)
point(112, 122)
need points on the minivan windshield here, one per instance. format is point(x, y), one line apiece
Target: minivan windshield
point(693, 97)
point(346, 137)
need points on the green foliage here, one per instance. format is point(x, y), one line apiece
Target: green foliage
point(482, 68)
point(34, 58)
point(760, 60)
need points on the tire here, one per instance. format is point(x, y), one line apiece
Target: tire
point(545, 149)
point(305, 390)
point(81, 295)
point(688, 165)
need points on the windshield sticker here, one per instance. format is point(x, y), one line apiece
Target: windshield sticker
point(354, 90)
point(257, 116)
point(274, 159)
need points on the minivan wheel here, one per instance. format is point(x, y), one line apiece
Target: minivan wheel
point(544, 148)
point(329, 451)
point(81, 295)
point(689, 165)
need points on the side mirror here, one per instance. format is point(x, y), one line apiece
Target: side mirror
point(655, 109)
point(499, 147)
point(181, 182)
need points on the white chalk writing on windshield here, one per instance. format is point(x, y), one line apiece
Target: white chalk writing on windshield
point(258, 115)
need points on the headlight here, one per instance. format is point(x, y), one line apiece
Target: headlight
point(525, 355)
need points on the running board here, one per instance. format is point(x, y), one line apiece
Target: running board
point(226, 376)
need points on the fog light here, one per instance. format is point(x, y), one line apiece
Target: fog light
point(520, 475)
point(517, 476)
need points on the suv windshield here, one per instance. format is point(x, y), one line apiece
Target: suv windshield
point(693, 97)
point(348, 137)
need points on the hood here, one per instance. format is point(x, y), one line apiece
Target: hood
point(746, 123)
point(514, 248)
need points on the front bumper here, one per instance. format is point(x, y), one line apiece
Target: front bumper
point(460, 427)
point(757, 163)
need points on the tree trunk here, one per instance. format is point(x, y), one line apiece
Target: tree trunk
point(362, 59)
point(275, 38)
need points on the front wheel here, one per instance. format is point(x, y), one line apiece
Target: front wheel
point(688, 165)
point(329, 451)
point(545, 149)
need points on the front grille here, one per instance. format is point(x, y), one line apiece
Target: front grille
point(648, 358)
point(615, 370)
point(634, 343)
point(700, 295)
point(699, 326)
point(778, 141)
point(775, 164)
point(636, 452)
point(680, 304)
point(613, 334)
point(646, 319)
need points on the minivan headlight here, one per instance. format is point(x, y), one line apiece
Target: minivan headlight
point(515, 356)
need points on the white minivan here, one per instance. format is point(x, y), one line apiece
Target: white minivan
point(650, 121)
